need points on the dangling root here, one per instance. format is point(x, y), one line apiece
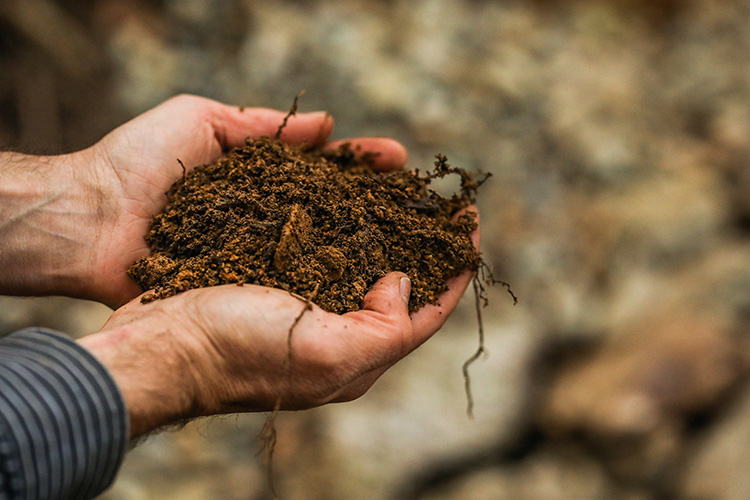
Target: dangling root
point(267, 438)
point(268, 435)
point(480, 350)
point(482, 276)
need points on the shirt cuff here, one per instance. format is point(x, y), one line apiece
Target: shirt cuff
point(63, 422)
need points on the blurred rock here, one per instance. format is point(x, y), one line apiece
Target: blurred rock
point(71, 316)
point(180, 465)
point(555, 473)
point(713, 470)
point(632, 399)
point(59, 33)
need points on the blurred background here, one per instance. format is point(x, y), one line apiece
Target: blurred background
point(618, 136)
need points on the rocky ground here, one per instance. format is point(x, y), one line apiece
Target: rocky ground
point(618, 134)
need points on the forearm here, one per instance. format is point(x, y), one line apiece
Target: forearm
point(49, 218)
point(151, 372)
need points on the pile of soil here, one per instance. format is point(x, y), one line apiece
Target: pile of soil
point(323, 225)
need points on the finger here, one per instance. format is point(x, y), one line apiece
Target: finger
point(229, 126)
point(232, 125)
point(389, 295)
point(199, 130)
point(431, 317)
point(389, 154)
point(476, 234)
point(385, 330)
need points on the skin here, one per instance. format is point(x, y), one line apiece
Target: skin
point(73, 224)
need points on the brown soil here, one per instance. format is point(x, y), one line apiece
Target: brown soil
point(322, 225)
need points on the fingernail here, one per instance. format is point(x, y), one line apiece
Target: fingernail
point(314, 115)
point(405, 289)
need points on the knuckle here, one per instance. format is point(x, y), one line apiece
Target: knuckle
point(185, 98)
point(190, 101)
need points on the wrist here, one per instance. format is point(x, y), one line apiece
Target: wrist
point(51, 216)
point(150, 372)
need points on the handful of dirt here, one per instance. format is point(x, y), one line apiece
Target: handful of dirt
point(323, 225)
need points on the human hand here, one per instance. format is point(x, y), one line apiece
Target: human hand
point(138, 162)
point(73, 224)
point(225, 349)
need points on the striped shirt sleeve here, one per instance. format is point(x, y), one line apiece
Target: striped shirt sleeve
point(63, 422)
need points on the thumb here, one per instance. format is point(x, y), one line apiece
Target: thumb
point(389, 295)
point(385, 332)
point(388, 330)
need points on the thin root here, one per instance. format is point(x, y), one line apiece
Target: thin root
point(267, 438)
point(292, 112)
point(268, 433)
point(184, 170)
point(478, 291)
point(482, 277)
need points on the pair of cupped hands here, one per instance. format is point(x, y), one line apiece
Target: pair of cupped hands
point(221, 349)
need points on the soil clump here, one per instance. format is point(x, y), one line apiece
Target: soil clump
point(320, 224)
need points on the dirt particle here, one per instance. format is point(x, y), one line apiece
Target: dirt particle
point(306, 220)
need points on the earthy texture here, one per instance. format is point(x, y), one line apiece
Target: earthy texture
point(618, 136)
point(322, 225)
